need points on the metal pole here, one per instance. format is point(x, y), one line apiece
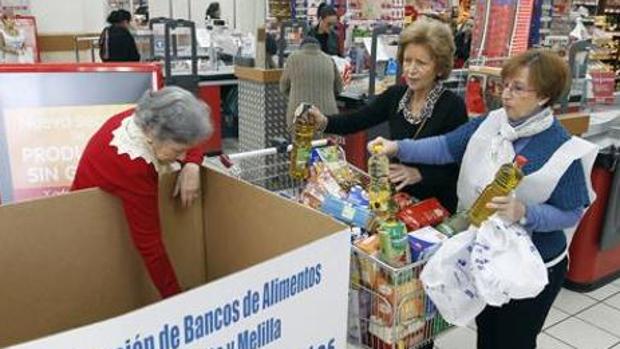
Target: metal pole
point(170, 9)
point(189, 10)
point(234, 14)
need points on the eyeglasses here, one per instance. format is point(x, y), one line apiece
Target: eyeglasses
point(516, 90)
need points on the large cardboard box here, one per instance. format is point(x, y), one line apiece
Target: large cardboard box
point(268, 271)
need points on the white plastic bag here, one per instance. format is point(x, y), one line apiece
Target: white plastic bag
point(506, 263)
point(448, 280)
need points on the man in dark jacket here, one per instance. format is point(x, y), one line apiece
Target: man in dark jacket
point(325, 31)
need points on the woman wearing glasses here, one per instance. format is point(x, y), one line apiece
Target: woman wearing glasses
point(552, 196)
point(421, 108)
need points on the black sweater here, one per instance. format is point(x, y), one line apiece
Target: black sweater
point(120, 45)
point(448, 114)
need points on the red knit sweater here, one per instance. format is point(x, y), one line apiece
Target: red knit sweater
point(135, 182)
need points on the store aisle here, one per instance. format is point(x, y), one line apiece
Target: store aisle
point(577, 321)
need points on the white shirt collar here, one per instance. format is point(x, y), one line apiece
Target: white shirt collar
point(129, 139)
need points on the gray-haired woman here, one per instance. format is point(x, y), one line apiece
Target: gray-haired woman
point(164, 133)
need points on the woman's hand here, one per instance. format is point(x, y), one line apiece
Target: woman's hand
point(390, 148)
point(188, 184)
point(403, 176)
point(315, 116)
point(508, 207)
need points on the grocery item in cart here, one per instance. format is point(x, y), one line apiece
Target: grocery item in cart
point(506, 180)
point(394, 244)
point(402, 200)
point(358, 196)
point(423, 242)
point(346, 212)
point(368, 269)
point(325, 179)
point(302, 143)
point(400, 301)
point(379, 189)
point(333, 157)
point(407, 335)
point(455, 224)
point(424, 213)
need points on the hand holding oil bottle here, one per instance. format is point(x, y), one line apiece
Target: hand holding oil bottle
point(496, 197)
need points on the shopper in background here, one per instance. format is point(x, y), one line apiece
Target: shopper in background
point(310, 76)
point(325, 31)
point(12, 41)
point(462, 40)
point(551, 197)
point(421, 108)
point(116, 44)
point(213, 11)
point(129, 152)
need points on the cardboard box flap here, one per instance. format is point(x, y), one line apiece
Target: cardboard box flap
point(66, 261)
point(246, 225)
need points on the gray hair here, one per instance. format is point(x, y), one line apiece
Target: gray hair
point(174, 114)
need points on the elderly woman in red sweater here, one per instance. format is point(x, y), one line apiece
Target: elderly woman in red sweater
point(131, 150)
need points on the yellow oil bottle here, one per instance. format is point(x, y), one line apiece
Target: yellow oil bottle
point(506, 180)
point(379, 190)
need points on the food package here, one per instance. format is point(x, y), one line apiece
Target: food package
point(334, 159)
point(402, 200)
point(404, 335)
point(369, 252)
point(423, 242)
point(424, 213)
point(405, 299)
point(329, 184)
point(351, 214)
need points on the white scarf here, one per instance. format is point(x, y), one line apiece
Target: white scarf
point(502, 150)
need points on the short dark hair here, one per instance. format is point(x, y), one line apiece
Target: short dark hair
point(212, 9)
point(326, 10)
point(549, 74)
point(118, 16)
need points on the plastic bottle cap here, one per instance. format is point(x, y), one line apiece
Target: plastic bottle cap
point(520, 160)
point(377, 148)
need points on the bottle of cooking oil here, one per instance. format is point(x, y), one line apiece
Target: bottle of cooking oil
point(379, 190)
point(506, 180)
point(302, 143)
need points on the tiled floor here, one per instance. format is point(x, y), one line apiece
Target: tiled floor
point(577, 320)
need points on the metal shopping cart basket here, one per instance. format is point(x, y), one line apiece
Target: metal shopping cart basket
point(388, 308)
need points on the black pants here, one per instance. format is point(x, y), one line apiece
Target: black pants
point(517, 324)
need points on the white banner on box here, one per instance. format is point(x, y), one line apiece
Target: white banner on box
point(295, 301)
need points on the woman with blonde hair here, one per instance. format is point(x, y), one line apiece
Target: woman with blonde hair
point(421, 108)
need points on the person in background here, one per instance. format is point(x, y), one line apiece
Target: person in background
point(421, 108)
point(116, 44)
point(462, 40)
point(552, 196)
point(125, 157)
point(213, 11)
point(12, 41)
point(310, 76)
point(325, 31)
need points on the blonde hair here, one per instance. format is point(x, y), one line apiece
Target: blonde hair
point(436, 37)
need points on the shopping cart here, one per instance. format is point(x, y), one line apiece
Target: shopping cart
point(388, 308)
